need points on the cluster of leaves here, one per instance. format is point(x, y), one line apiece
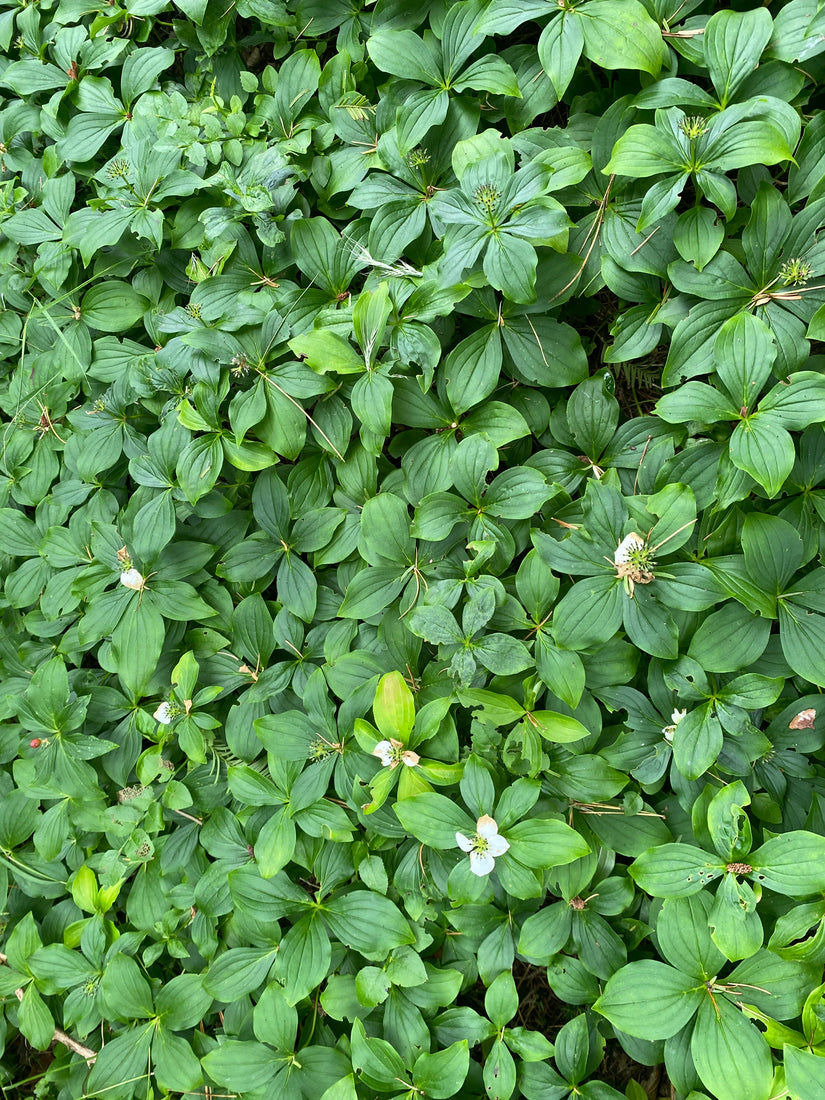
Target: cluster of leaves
point(412, 489)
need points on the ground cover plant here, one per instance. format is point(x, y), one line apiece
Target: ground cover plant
point(412, 485)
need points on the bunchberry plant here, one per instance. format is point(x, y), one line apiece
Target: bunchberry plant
point(412, 489)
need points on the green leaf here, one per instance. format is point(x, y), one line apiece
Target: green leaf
point(773, 551)
point(420, 112)
point(443, 1073)
point(763, 449)
point(367, 922)
point(126, 993)
point(370, 591)
point(510, 265)
point(124, 1058)
point(560, 729)
point(792, 864)
point(685, 939)
point(472, 369)
point(176, 1064)
point(36, 1022)
point(326, 351)
point(137, 642)
point(561, 670)
point(404, 54)
point(744, 352)
point(803, 1072)
point(698, 235)
point(385, 531)
point(304, 958)
point(433, 819)
point(730, 639)
point(501, 999)
point(650, 1000)
point(141, 69)
point(802, 635)
point(797, 402)
point(649, 625)
point(697, 741)
point(490, 74)
point(544, 842)
point(644, 151)
point(675, 870)
point(376, 1061)
point(619, 34)
point(238, 971)
point(369, 320)
point(592, 414)
point(199, 466)
point(112, 306)
point(242, 1065)
point(734, 42)
point(730, 1055)
point(748, 142)
point(393, 706)
point(589, 614)
point(560, 47)
point(695, 401)
point(275, 844)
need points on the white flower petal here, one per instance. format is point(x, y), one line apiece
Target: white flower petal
point(410, 758)
point(677, 716)
point(629, 542)
point(486, 827)
point(383, 750)
point(464, 842)
point(497, 846)
point(163, 714)
point(481, 863)
point(132, 578)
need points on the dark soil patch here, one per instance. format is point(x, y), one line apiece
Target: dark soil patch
point(23, 1066)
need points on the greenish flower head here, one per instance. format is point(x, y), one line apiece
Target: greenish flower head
point(118, 169)
point(634, 561)
point(418, 158)
point(693, 126)
point(795, 272)
point(486, 195)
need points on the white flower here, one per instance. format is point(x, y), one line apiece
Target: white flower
point(485, 847)
point(163, 714)
point(626, 547)
point(675, 718)
point(391, 753)
point(132, 578)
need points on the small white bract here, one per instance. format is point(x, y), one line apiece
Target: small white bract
point(675, 718)
point(163, 714)
point(485, 847)
point(133, 578)
point(391, 753)
point(626, 547)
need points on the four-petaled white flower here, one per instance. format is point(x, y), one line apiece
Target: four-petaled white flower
point(675, 718)
point(133, 578)
point(391, 753)
point(485, 847)
point(626, 547)
point(163, 714)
